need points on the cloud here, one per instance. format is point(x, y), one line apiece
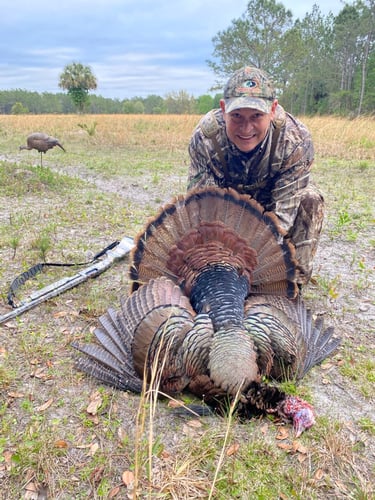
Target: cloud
point(133, 47)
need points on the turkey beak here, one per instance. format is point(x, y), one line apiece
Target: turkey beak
point(298, 428)
point(302, 421)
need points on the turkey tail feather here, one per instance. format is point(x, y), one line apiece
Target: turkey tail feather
point(180, 223)
point(110, 359)
point(324, 345)
point(288, 340)
point(317, 343)
point(102, 365)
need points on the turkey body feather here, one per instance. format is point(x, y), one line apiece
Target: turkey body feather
point(213, 306)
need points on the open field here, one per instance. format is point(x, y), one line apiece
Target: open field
point(63, 435)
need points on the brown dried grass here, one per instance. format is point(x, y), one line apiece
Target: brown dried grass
point(334, 137)
point(74, 454)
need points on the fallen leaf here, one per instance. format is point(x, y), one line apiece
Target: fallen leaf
point(165, 454)
point(114, 492)
point(127, 477)
point(283, 433)
point(7, 456)
point(284, 446)
point(319, 474)
point(189, 431)
point(121, 434)
point(194, 423)
point(232, 450)
point(11, 326)
point(31, 491)
point(40, 373)
point(93, 449)
point(264, 429)
point(61, 314)
point(44, 406)
point(14, 394)
point(8, 464)
point(327, 365)
point(97, 475)
point(61, 443)
point(94, 419)
point(175, 403)
point(95, 403)
point(300, 448)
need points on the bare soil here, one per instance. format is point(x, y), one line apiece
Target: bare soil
point(351, 310)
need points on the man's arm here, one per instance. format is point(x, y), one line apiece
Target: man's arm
point(200, 170)
point(293, 174)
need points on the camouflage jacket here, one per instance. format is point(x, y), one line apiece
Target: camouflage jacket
point(274, 173)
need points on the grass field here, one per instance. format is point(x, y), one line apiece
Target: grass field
point(63, 435)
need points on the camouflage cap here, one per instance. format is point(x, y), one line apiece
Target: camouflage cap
point(249, 87)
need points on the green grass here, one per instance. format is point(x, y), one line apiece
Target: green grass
point(50, 214)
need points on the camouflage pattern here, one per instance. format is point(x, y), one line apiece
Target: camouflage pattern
point(249, 88)
point(281, 184)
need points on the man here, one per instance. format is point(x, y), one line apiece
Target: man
point(252, 145)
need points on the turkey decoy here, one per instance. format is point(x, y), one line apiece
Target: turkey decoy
point(214, 304)
point(42, 143)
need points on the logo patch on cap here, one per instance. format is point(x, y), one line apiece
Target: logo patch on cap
point(251, 83)
point(247, 88)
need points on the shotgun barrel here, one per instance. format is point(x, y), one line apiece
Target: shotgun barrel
point(117, 253)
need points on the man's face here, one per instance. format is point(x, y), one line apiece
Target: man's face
point(247, 127)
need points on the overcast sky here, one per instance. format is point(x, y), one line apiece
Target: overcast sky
point(134, 47)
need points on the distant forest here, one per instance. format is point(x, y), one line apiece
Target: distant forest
point(22, 101)
point(320, 64)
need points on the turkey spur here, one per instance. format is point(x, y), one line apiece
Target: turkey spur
point(214, 306)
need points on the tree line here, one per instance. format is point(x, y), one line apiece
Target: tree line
point(22, 101)
point(320, 65)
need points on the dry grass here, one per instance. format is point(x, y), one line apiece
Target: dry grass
point(342, 139)
point(105, 186)
point(334, 137)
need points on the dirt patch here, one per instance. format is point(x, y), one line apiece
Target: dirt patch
point(342, 289)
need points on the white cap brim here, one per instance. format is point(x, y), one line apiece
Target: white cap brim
point(234, 103)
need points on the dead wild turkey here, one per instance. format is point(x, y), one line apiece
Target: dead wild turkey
point(42, 143)
point(215, 305)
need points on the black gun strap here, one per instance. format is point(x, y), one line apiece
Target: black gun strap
point(34, 270)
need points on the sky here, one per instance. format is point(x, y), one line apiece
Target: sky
point(134, 48)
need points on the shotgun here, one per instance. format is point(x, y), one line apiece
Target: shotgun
point(117, 253)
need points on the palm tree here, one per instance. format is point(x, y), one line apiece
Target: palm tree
point(78, 79)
